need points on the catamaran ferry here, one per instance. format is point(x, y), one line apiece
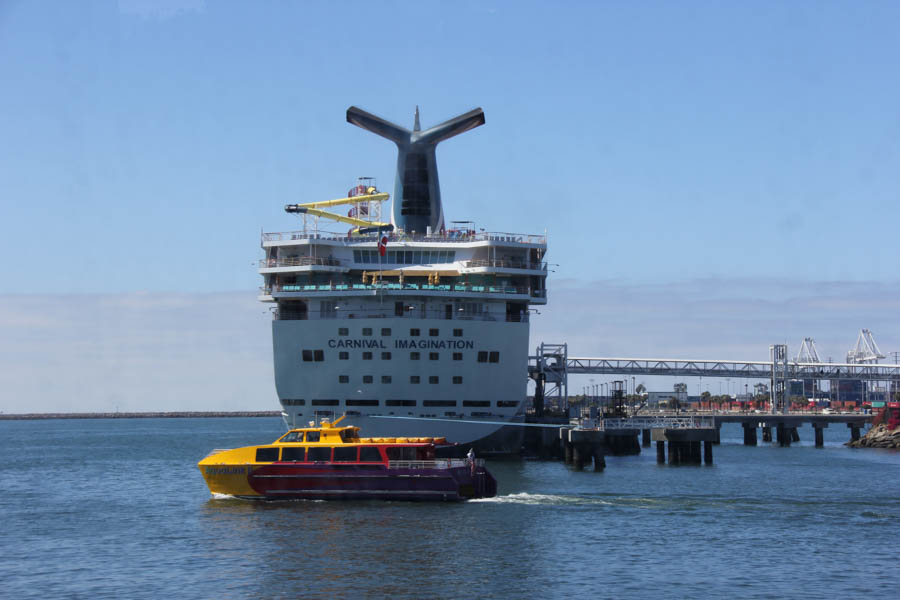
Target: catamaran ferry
point(394, 323)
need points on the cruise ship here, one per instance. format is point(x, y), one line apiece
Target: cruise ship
point(409, 327)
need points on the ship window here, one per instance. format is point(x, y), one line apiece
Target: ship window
point(413, 356)
point(477, 403)
point(344, 355)
point(434, 355)
point(457, 356)
point(294, 436)
point(385, 331)
point(507, 403)
point(367, 331)
point(434, 332)
point(457, 379)
point(318, 455)
point(400, 402)
point(367, 379)
point(385, 379)
point(445, 403)
point(414, 379)
point(343, 331)
point(495, 357)
point(293, 402)
point(345, 454)
point(413, 333)
point(457, 333)
point(319, 355)
point(367, 356)
point(358, 402)
point(307, 355)
point(312, 436)
point(399, 307)
point(369, 454)
point(266, 454)
point(482, 356)
point(432, 379)
point(293, 454)
point(385, 356)
point(341, 379)
point(325, 402)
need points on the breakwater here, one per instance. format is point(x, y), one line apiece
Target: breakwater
point(140, 415)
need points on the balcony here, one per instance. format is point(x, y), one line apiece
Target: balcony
point(403, 287)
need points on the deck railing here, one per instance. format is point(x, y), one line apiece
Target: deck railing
point(481, 236)
point(446, 463)
point(505, 264)
point(390, 287)
point(301, 261)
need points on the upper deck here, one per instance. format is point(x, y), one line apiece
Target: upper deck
point(480, 238)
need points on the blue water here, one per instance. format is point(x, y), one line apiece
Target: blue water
point(117, 508)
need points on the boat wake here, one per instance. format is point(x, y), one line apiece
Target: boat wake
point(543, 500)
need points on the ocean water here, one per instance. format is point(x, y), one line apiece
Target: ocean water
point(118, 508)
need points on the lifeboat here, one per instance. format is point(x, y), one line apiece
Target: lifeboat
point(328, 462)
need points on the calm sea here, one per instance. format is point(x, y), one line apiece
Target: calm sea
point(118, 509)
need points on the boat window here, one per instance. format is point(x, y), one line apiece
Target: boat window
point(385, 379)
point(319, 355)
point(312, 436)
point(343, 331)
point(457, 333)
point(345, 454)
point(414, 356)
point(367, 379)
point(293, 454)
point(434, 356)
point(414, 379)
point(482, 356)
point(495, 357)
point(369, 454)
point(457, 379)
point(433, 379)
point(367, 331)
point(343, 355)
point(385, 331)
point(307, 355)
point(434, 332)
point(413, 332)
point(266, 454)
point(293, 436)
point(343, 379)
point(457, 356)
point(507, 403)
point(349, 435)
point(367, 356)
point(385, 356)
point(319, 455)
point(401, 453)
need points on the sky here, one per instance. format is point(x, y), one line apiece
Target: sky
point(712, 177)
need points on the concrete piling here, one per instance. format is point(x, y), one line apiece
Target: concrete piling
point(854, 431)
point(645, 438)
point(820, 438)
point(660, 452)
point(708, 454)
point(599, 458)
point(749, 434)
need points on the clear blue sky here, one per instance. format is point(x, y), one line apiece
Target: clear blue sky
point(752, 147)
point(145, 144)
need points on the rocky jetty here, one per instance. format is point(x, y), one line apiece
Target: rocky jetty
point(878, 436)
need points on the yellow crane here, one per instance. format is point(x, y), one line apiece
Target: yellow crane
point(362, 226)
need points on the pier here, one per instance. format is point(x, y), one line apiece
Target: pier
point(681, 439)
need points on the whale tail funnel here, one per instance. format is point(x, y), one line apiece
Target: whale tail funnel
point(417, 195)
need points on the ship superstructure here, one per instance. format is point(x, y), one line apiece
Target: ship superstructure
point(409, 318)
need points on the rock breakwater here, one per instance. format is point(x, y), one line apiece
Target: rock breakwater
point(878, 437)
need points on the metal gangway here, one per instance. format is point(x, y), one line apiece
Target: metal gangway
point(551, 364)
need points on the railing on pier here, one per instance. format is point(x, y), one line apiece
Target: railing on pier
point(659, 422)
